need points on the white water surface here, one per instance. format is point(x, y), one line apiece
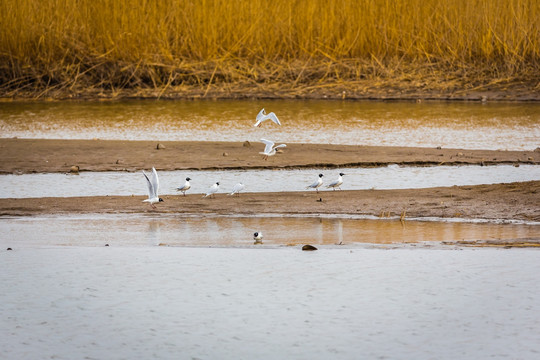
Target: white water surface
point(390, 177)
point(222, 303)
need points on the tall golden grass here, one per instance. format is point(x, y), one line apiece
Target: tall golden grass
point(162, 44)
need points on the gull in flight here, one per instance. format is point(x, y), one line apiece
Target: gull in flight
point(337, 183)
point(257, 237)
point(270, 149)
point(316, 184)
point(185, 187)
point(213, 189)
point(263, 116)
point(153, 188)
point(237, 188)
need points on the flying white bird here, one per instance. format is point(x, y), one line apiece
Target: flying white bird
point(153, 188)
point(185, 187)
point(213, 189)
point(316, 184)
point(270, 149)
point(258, 237)
point(262, 116)
point(237, 188)
point(337, 183)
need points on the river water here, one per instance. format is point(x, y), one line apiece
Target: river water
point(391, 177)
point(392, 291)
point(511, 126)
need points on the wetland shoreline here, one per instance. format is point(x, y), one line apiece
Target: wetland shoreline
point(23, 156)
point(511, 201)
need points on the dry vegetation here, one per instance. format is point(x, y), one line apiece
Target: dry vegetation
point(281, 48)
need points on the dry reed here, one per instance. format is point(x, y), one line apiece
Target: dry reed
point(168, 45)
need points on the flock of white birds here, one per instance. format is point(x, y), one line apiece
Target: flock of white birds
point(270, 149)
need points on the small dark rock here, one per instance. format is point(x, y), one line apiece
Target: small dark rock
point(9, 249)
point(160, 146)
point(246, 144)
point(106, 244)
point(308, 248)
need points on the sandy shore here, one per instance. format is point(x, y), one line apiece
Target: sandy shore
point(517, 201)
point(19, 156)
point(514, 201)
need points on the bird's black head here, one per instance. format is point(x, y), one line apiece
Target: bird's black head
point(217, 183)
point(256, 234)
point(341, 174)
point(320, 175)
point(160, 200)
point(187, 179)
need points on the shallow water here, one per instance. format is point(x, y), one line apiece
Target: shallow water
point(192, 303)
point(237, 231)
point(391, 177)
point(512, 126)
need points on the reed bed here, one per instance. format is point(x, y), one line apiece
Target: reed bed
point(281, 46)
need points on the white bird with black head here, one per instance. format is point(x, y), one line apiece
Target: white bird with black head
point(153, 188)
point(337, 183)
point(213, 189)
point(316, 184)
point(270, 149)
point(258, 236)
point(185, 187)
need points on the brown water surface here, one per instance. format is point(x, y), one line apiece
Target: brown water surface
point(512, 126)
point(117, 230)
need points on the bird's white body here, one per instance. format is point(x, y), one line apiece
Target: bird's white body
point(185, 187)
point(237, 188)
point(262, 116)
point(153, 188)
point(213, 189)
point(337, 183)
point(316, 184)
point(270, 149)
point(258, 236)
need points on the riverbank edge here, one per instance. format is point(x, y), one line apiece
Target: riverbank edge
point(23, 156)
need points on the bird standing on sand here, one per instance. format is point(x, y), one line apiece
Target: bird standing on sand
point(270, 149)
point(153, 188)
point(262, 116)
point(237, 188)
point(337, 183)
point(185, 187)
point(213, 189)
point(316, 184)
point(258, 237)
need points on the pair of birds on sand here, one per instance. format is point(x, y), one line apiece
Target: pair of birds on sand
point(214, 189)
point(336, 184)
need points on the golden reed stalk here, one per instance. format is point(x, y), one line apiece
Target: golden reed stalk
point(116, 44)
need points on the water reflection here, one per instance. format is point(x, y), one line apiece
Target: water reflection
point(94, 230)
point(462, 125)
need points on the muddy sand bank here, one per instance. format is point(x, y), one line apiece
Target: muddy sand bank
point(19, 156)
point(512, 201)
